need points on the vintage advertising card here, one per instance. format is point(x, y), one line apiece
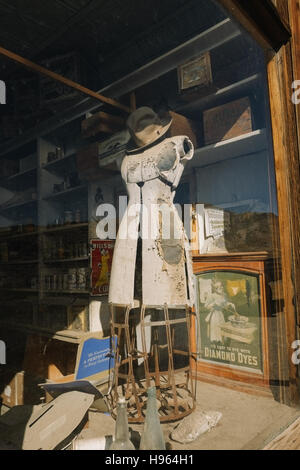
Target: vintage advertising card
point(230, 319)
point(101, 260)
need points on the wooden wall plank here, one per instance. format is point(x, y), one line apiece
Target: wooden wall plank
point(286, 157)
point(294, 15)
point(282, 8)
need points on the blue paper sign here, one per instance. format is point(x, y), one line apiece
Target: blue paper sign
point(96, 356)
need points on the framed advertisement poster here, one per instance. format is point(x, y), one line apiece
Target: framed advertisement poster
point(229, 319)
point(231, 337)
point(101, 260)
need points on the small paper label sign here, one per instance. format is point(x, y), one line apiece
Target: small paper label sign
point(96, 357)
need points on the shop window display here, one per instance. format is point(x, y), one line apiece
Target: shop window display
point(195, 138)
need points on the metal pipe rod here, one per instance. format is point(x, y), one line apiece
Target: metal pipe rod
point(60, 78)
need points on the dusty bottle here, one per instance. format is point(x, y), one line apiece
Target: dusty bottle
point(121, 441)
point(152, 437)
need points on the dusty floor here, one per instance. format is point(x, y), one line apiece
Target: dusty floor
point(248, 422)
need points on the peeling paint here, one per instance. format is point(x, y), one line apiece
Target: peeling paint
point(164, 253)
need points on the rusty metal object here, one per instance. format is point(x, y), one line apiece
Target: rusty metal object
point(166, 365)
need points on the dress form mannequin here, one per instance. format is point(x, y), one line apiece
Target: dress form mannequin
point(142, 319)
point(151, 177)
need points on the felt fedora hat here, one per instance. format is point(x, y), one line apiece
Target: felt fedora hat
point(145, 127)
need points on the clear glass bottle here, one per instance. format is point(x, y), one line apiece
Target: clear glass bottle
point(152, 436)
point(122, 441)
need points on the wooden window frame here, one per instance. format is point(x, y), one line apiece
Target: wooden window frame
point(274, 26)
point(262, 19)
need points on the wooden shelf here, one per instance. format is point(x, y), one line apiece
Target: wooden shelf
point(67, 292)
point(69, 336)
point(246, 144)
point(63, 228)
point(59, 164)
point(19, 289)
point(7, 263)
point(66, 260)
point(229, 92)
point(215, 36)
point(68, 192)
point(247, 256)
point(16, 206)
point(16, 301)
point(11, 180)
point(62, 300)
point(9, 236)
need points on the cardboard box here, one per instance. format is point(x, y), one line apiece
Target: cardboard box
point(102, 122)
point(12, 385)
point(181, 125)
point(87, 163)
point(227, 121)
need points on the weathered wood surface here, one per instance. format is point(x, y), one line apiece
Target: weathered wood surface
point(294, 11)
point(286, 157)
point(267, 23)
point(287, 440)
point(282, 8)
point(294, 14)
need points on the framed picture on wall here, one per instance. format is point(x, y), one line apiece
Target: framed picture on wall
point(231, 329)
point(195, 73)
point(229, 319)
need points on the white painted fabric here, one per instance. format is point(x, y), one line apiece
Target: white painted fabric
point(151, 178)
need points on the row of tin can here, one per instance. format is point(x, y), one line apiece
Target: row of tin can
point(74, 279)
point(58, 249)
